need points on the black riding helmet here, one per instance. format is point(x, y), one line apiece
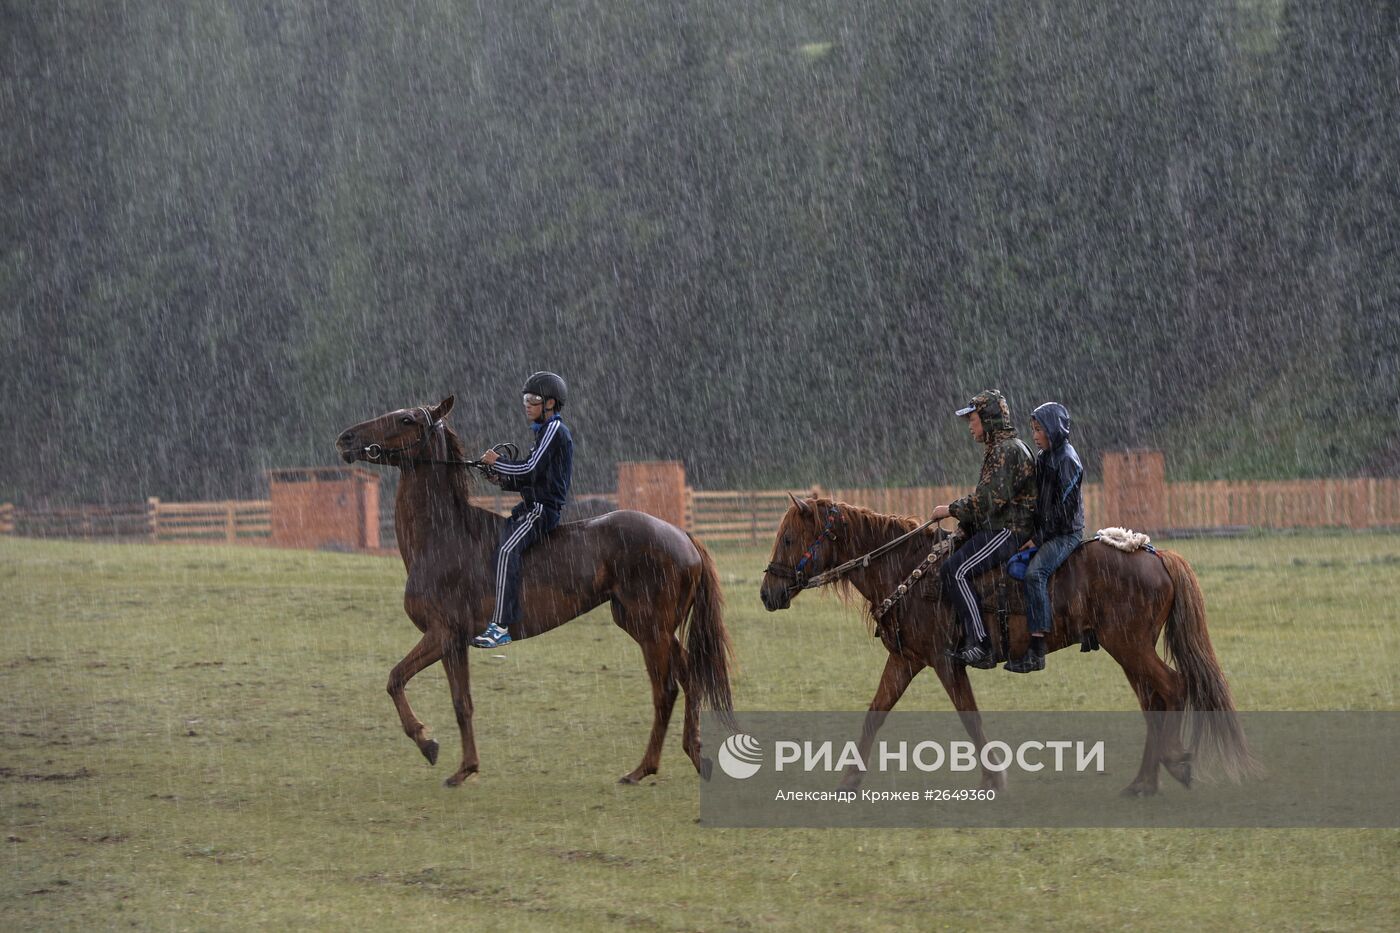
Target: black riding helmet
point(547, 385)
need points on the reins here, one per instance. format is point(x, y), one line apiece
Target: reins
point(376, 452)
point(840, 570)
point(801, 582)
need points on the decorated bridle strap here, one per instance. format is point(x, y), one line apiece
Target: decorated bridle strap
point(828, 531)
point(839, 571)
point(795, 573)
point(940, 550)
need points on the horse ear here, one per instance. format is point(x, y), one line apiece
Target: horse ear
point(802, 507)
point(443, 407)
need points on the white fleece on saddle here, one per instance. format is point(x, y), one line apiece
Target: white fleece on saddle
point(1123, 539)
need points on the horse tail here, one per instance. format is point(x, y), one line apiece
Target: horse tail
point(707, 645)
point(1210, 709)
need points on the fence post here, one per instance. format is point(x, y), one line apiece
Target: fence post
point(153, 518)
point(1362, 503)
point(230, 529)
point(7, 518)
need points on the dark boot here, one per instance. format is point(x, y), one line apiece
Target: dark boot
point(1032, 660)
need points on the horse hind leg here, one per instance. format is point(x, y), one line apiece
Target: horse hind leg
point(1160, 696)
point(656, 651)
point(1169, 705)
point(690, 730)
point(423, 655)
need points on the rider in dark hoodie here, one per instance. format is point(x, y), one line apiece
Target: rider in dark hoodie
point(1058, 519)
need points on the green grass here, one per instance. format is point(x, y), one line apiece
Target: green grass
point(199, 738)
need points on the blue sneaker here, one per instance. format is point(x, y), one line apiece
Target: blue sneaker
point(494, 637)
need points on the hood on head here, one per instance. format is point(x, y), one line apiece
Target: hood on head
point(1054, 418)
point(992, 408)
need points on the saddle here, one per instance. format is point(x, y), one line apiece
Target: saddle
point(1002, 601)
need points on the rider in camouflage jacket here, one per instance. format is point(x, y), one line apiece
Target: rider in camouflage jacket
point(993, 522)
point(1005, 493)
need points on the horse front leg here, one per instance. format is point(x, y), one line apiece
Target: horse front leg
point(424, 654)
point(454, 661)
point(899, 672)
point(959, 687)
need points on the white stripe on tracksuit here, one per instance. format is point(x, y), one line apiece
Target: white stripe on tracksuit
point(520, 469)
point(960, 576)
point(504, 553)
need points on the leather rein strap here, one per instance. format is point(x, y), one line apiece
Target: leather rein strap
point(802, 582)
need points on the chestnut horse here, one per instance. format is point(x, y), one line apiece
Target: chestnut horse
point(660, 582)
point(1124, 599)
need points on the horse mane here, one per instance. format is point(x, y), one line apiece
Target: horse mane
point(867, 530)
point(866, 524)
point(459, 478)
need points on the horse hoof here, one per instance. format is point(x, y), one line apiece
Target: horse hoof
point(707, 768)
point(430, 751)
point(1133, 790)
point(457, 780)
point(628, 779)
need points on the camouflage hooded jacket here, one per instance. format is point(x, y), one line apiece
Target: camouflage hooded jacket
point(1005, 493)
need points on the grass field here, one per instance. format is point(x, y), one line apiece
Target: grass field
point(199, 738)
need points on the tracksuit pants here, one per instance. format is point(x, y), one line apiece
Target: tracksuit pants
point(982, 551)
point(526, 525)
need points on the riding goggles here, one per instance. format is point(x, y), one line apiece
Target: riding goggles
point(532, 399)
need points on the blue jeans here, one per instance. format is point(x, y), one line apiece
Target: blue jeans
point(1051, 555)
point(526, 525)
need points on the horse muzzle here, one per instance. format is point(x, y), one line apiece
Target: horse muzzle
point(347, 448)
point(775, 596)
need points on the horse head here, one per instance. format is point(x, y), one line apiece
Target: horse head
point(394, 437)
point(805, 544)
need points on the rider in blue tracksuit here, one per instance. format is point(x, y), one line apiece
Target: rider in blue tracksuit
point(542, 479)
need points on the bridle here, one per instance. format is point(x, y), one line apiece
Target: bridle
point(798, 573)
point(377, 453)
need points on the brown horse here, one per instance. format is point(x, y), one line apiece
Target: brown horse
point(660, 582)
point(1125, 599)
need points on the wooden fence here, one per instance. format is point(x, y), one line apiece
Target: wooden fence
point(752, 516)
point(231, 522)
point(1318, 503)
